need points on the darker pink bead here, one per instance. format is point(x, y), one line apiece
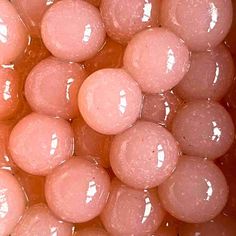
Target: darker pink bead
point(38, 221)
point(73, 30)
point(144, 156)
point(210, 75)
point(131, 212)
point(77, 191)
point(123, 19)
point(157, 59)
point(52, 87)
point(39, 143)
point(196, 192)
point(110, 101)
point(203, 129)
point(202, 24)
point(13, 34)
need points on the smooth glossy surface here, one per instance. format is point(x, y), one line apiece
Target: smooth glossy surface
point(110, 101)
point(123, 19)
point(203, 129)
point(38, 221)
point(91, 231)
point(144, 156)
point(77, 191)
point(210, 75)
point(63, 78)
point(39, 143)
point(157, 59)
point(73, 30)
point(13, 34)
point(196, 192)
point(131, 212)
point(12, 204)
point(160, 108)
point(90, 143)
point(202, 24)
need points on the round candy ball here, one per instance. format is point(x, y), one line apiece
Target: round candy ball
point(132, 212)
point(203, 129)
point(202, 24)
point(110, 101)
point(73, 30)
point(39, 143)
point(38, 220)
point(196, 192)
point(144, 156)
point(52, 87)
point(77, 191)
point(13, 34)
point(157, 59)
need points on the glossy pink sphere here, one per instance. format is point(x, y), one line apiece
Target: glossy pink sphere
point(39, 143)
point(131, 212)
point(196, 192)
point(73, 30)
point(203, 129)
point(144, 156)
point(110, 101)
point(38, 221)
point(123, 19)
point(13, 34)
point(210, 75)
point(52, 87)
point(77, 191)
point(157, 59)
point(202, 24)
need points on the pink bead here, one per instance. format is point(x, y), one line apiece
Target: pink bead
point(13, 34)
point(131, 212)
point(123, 19)
point(157, 59)
point(160, 108)
point(202, 24)
point(221, 225)
point(63, 78)
point(39, 143)
point(12, 202)
point(196, 192)
point(110, 101)
point(203, 129)
point(144, 156)
point(73, 30)
point(77, 191)
point(218, 68)
point(32, 13)
point(38, 220)
point(91, 231)
point(90, 143)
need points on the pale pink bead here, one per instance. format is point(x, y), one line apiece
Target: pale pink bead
point(202, 24)
point(91, 231)
point(77, 191)
point(13, 34)
point(196, 192)
point(110, 101)
point(203, 129)
point(38, 221)
point(131, 212)
point(32, 13)
point(157, 59)
point(144, 156)
point(73, 30)
point(12, 203)
point(222, 225)
point(39, 143)
point(210, 75)
point(123, 19)
point(52, 87)
point(160, 108)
